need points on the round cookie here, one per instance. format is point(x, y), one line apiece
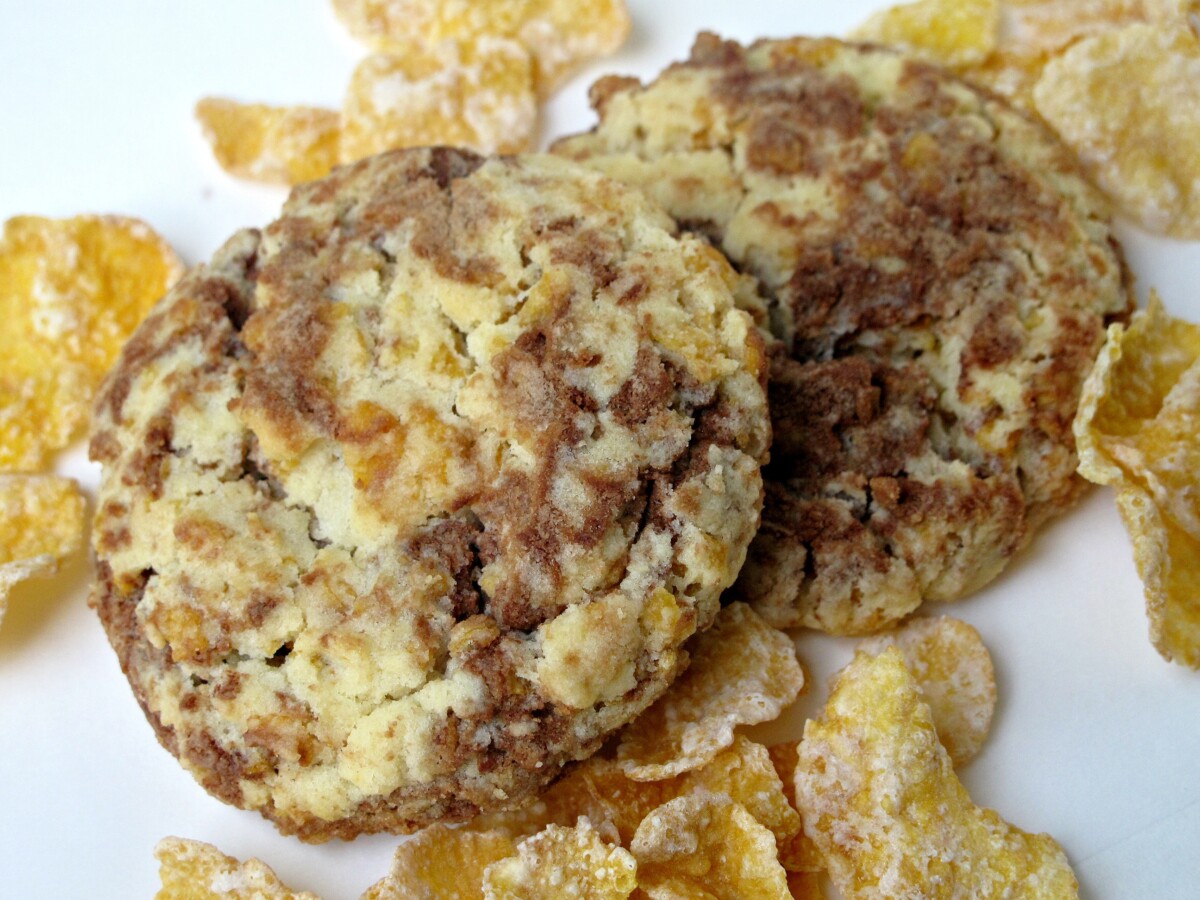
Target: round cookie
point(413, 497)
point(937, 276)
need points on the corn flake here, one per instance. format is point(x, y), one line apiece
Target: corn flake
point(573, 795)
point(1168, 562)
point(614, 802)
point(193, 870)
point(706, 845)
point(1036, 31)
point(599, 790)
point(797, 853)
point(71, 292)
point(41, 523)
point(1126, 102)
point(278, 144)
point(1051, 25)
point(1137, 429)
point(952, 32)
point(442, 863)
point(955, 672)
point(743, 671)
point(1011, 71)
point(558, 34)
point(1114, 77)
point(746, 774)
point(478, 95)
point(559, 862)
point(880, 799)
point(596, 789)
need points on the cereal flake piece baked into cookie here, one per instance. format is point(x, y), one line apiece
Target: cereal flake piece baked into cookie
point(413, 497)
point(937, 275)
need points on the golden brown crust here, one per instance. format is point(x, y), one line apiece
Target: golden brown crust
point(937, 276)
point(396, 492)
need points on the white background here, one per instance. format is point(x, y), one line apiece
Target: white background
point(1096, 739)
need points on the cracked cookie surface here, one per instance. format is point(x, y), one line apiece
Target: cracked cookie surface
point(413, 497)
point(936, 275)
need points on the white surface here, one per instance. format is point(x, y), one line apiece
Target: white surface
point(1096, 739)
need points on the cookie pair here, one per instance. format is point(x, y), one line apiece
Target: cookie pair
point(415, 496)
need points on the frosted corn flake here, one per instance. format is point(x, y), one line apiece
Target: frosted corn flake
point(1011, 71)
point(797, 853)
point(573, 795)
point(743, 671)
point(954, 669)
point(1126, 102)
point(442, 863)
point(41, 524)
point(476, 94)
point(1168, 562)
point(193, 870)
point(747, 775)
point(599, 790)
point(707, 845)
point(71, 293)
point(1052, 25)
point(563, 862)
point(1138, 429)
point(279, 144)
point(560, 35)
point(880, 799)
point(952, 32)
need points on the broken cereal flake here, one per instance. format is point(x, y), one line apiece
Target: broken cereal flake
point(477, 95)
point(1137, 429)
point(743, 671)
point(193, 870)
point(954, 669)
point(797, 854)
point(880, 799)
point(951, 32)
point(559, 34)
point(1126, 102)
point(71, 292)
point(41, 524)
point(560, 862)
point(278, 144)
point(706, 845)
point(442, 863)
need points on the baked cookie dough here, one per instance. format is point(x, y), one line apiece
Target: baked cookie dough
point(413, 497)
point(937, 276)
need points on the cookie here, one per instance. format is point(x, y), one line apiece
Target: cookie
point(414, 496)
point(936, 275)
